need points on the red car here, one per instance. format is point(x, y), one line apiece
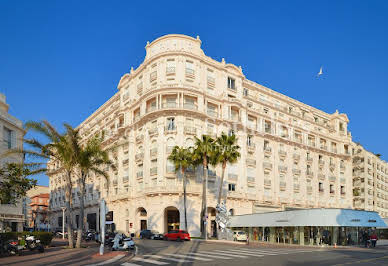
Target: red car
point(177, 235)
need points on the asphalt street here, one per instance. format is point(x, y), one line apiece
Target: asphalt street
point(154, 252)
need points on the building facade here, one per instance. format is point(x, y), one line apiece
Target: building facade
point(370, 181)
point(35, 208)
point(292, 155)
point(11, 216)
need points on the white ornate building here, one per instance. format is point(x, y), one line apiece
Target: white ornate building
point(370, 181)
point(11, 128)
point(292, 155)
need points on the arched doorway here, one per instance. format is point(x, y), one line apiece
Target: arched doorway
point(212, 225)
point(141, 215)
point(171, 219)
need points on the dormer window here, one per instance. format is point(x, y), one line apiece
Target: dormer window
point(231, 83)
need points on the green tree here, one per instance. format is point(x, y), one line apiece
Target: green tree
point(14, 183)
point(58, 148)
point(227, 151)
point(182, 159)
point(204, 154)
point(90, 159)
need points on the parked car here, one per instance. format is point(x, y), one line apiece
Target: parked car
point(239, 236)
point(177, 235)
point(156, 235)
point(145, 234)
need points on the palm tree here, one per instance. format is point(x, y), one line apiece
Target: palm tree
point(90, 158)
point(59, 149)
point(182, 159)
point(203, 154)
point(226, 152)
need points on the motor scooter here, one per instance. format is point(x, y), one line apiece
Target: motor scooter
point(122, 242)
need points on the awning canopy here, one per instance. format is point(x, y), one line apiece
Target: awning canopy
point(310, 217)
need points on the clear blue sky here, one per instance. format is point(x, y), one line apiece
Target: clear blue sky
point(61, 60)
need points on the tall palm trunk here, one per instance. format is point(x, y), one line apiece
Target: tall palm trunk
point(203, 210)
point(69, 211)
point(184, 197)
point(220, 194)
point(81, 215)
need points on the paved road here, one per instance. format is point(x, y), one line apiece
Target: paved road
point(153, 252)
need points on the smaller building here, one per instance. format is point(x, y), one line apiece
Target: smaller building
point(309, 226)
point(35, 208)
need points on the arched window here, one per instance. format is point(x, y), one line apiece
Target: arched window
point(189, 142)
point(170, 144)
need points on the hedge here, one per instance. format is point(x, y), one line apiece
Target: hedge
point(44, 237)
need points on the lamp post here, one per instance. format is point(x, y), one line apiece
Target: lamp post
point(63, 222)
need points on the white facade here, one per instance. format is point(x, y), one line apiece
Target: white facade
point(370, 181)
point(12, 132)
point(292, 155)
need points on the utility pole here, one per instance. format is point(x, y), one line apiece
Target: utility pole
point(63, 222)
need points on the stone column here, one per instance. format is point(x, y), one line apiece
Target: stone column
point(301, 235)
point(334, 237)
point(272, 235)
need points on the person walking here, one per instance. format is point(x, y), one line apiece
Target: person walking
point(365, 238)
point(373, 239)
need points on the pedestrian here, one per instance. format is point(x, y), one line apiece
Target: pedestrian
point(365, 238)
point(373, 239)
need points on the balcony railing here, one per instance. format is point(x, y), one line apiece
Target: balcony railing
point(296, 187)
point(190, 72)
point(151, 109)
point(154, 152)
point(251, 162)
point(321, 162)
point(154, 171)
point(282, 185)
point(212, 113)
point(170, 70)
point(267, 149)
point(296, 171)
point(139, 138)
point(115, 182)
point(170, 129)
point(332, 178)
point(190, 106)
point(296, 156)
point(321, 176)
point(282, 153)
point(139, 174)
point(190, 130)
point(309, 159)
point(153, 76)
point(232, 177)
point(211, 173)
point(139, 156)
point(169, 105)
point(267, 165)
point(267, 182)
point(251, 179)
point(170, 169)
point(125, 179)
point(309, 173)
point(282, 168)
point(153, 131)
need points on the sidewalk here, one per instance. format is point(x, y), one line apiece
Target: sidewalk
point(58, 254)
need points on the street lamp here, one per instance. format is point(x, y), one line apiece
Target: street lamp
point(63, 222)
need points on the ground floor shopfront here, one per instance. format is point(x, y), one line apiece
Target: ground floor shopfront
point(309, 227)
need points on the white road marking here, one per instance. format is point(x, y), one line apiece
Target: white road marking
point(130, 264)
point(189, 257)
point(165, 258)
point(224, 253)
point(149, 261)
point(209, 256)
point(257, 252)
point(244, 253)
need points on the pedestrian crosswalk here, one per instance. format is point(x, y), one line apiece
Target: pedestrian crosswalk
point(208, 256)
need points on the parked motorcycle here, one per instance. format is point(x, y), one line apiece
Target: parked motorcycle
point(13, 248)
point(122, 242)
point(89, 235)
point(32, 243)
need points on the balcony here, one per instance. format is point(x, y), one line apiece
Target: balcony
point(170, 70)
point(211, 82)
point(267, 150)
point(296, 187)
point(169, 149)
point(170, 169)
point(309, 173)
point(282, 169)
point(282, 153)
point(154, 171)
point(232, 177)
point(125, 179)
point(115, 182)
point(332, 178)
point(267, 165)
point(251, 162)
point(190, 130)
point(251, 179)
point(321, 177)
point(190, 73)
point(251, 147)
point(153, 76)
point(309, 189)
point(190, 106)
point(332, 165)
point(170, 129)
point(153, 131)
point(153, 152)
point(268, 130)
point(151, 108)
point(139, 157)
point(342, 167)
point(309, 159)
point(139, 174)
point(296, 157)
point(212, 113)
point(282, 185)
point(296, 171)
point(324, 147)
point(267, 182)
point(167, 105)
point(321, 162)
point(139, 138)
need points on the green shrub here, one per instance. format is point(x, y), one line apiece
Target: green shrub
point(44, 237)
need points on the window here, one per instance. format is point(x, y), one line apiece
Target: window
point(342, 190)
point(331, 189)
point(170, 66)
point(250, 140)
point(231, 83)
point(231, 187)
point(267, 127)
point(231, 132)
point(170, 123)
point(245, 92)
point(9, 138)
point(320, 187)
point(189, 67)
